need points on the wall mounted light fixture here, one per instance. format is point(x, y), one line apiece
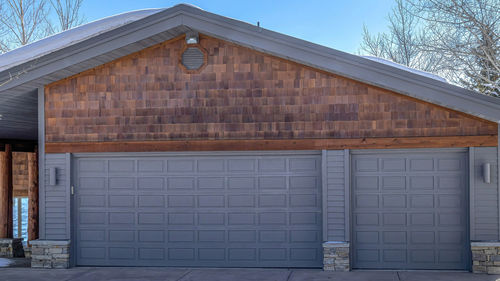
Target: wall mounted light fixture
point(192, 38)
point(53, 176)
point(487, 172)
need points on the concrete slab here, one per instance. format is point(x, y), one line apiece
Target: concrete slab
point(28, 274)
point(15, 262)
point(320, 275)
point(226, 274)
point(132, 274)
point(445, 276)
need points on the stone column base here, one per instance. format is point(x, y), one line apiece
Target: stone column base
point(336, 256)
point(11, 248)
point(485, 257)
point(50, 253)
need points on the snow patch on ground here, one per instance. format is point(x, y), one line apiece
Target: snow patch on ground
point(5, 262)
point(400, 66)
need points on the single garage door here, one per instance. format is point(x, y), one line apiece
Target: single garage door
point(410, 210)
point(204, 210)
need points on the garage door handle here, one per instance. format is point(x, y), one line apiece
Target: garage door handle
point(72, 190)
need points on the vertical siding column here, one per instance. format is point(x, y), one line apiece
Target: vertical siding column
point(472, 202)
point(347, 194)
point(336, 208)
point(33, 196)
point(498, 180)
point(6, 192)
point(41, 163)
point(324, 190)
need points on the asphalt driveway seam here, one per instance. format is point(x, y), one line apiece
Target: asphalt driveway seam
point(289, 274)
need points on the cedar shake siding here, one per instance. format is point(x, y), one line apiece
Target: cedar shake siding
point(239, 94)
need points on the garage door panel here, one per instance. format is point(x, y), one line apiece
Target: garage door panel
point(366, 183)
point(363, 201)
point(120, 218)
point(270, 165)
point(120, 201)
point(421, 183)
point(456, 164)
point(421, 201)
point(180, 166)
point(125, 166)
point(122, 235)
point(364, 219)
point(421, 164)
point(150, 166)
point(236, 211)
point(186, 201)
point(420, 221)
point(92, 183)
point(451, 182)
point(241, 165)
point(151, 254)
point(90, 165)
point(151, 201)
point(393, 165)
point(367, 164)
point(120, 183)
point(393, 183)
point(394, 201)
point(394, 237)
point(394, 219)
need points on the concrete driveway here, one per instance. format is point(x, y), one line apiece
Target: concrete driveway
point(214, 274)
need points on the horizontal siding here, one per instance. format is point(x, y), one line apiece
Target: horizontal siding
point(56, 205)
point(336, 199)
point(485, 196)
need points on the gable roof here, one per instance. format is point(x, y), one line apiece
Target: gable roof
point(146, 28)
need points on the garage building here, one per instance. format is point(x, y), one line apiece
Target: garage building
point(177, 137)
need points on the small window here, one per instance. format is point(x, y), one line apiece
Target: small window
point(193, 58)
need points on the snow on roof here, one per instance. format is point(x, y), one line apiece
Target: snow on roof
point(400, 66)
point(69, 37)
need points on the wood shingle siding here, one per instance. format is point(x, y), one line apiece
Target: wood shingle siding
point(240, 94)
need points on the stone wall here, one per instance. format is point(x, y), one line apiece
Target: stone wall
point(336, 256)
point(50, 254)
point(486, 257)
point(11, 248)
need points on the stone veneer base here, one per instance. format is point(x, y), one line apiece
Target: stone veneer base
point(336, 256)
point(50, 253)
point(485, 257)
point(11, 248)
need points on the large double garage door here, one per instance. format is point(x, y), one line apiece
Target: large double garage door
point(409, 210)
point(203, 210)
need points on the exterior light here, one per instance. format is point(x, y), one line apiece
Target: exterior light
point(487, 172)
point(192, 38)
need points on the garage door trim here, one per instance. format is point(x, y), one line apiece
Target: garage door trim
point(466, 191)
point(212, 155)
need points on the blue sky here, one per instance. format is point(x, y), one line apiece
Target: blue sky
point(334, 23)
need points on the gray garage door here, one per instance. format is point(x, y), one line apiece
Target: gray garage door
point(410, 210)
point(229, 211)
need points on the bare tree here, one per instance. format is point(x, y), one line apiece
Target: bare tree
point(402, 42)
point(26, 21)
point(22, 22)
point(466, 34)
point(68, 13)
